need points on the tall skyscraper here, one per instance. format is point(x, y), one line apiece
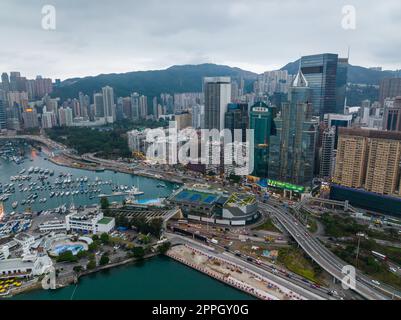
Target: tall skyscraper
point(392, 115)
point(327, 152)
point(260, 121)
point(135, 106)
point(99, 105)
point(143, 107)
point(389, 88)
point(108, 104)
point(237, 117)
point(217, 92)
point(341, 84)
point(292, 147)
point(5, 82)
point(3, 121)
point(320, 71)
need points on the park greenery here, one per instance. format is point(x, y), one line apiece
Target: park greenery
point(108, 142)
point(67, 256)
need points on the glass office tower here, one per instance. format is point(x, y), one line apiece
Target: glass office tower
point(261, 117)
point(292, 147)
point(320, 72)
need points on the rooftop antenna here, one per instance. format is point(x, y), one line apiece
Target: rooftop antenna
point(349, 49)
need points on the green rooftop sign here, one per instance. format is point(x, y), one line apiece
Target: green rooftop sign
point(285, 185)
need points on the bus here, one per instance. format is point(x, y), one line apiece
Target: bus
point(379, 255)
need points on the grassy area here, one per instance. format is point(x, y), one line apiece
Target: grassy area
point(268, 226)
point(312, 225)
point(294, 260)
point(344, 226)
point(368, 264)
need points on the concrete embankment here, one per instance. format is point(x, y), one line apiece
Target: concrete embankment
point(231, 274)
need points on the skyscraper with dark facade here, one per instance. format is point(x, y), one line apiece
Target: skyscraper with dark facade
point(341, 84)
point(261, 117)
point(389, 88)
point(292, 147)
point(320, 72)
point(237, 117)
point(392, 115)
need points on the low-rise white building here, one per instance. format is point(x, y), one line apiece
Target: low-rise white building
point(89, 221)
point(4, 252)
point(21, 267)
point(24, 239)
point(53, 225)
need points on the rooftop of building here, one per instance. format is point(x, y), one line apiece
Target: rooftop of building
point(240, 199)
point(15, 264)
point(105, 220)
point(370, 133)
point(196, 196)
point(22, 236)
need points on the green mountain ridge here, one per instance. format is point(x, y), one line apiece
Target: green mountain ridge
point(188, 78)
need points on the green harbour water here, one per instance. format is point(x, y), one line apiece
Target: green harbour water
point(158, 278)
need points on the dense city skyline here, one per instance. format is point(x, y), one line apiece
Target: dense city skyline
point(137, 37)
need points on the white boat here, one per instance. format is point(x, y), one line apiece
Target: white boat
point(134, 191)
point(14, 204)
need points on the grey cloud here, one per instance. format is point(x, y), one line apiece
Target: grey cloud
point(101, 36)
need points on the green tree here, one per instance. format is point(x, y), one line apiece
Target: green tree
point(104, 237)
point(104, 260)
point(104, 203)
point(67, 256)
point(164, 247)
point(93, 246)
point(91, 265)
point(82, 254)
point(138, 252)
point(95, 237)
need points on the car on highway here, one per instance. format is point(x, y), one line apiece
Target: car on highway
point(376, 282)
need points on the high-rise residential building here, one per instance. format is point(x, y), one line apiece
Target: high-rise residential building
point(260, 120)
point(338, 121)
point(185, 101)
point(198, 113)
point(389, 88)
point(65, 117)
point(143, 107)
point(292, 147)
point(320, 71)
point(217, 92)
point(30, 118)
point(183, 119)
point(237, 117)
point(84, 103)
point(49, 119)
point(17, 98)
point(108, 104)
point(135, 110)
point(99, 105)
point(327, 152)
point(271, 82)
point(369, 159)
point(3, 120)
point(392, 114)
point(5, 82)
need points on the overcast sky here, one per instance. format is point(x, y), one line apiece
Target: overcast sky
point(97, 36)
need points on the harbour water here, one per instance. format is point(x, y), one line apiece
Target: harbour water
point(158, 278)
point(143, 280)
point(37, 159)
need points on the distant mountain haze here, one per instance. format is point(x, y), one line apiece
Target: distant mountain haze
point(187, 78)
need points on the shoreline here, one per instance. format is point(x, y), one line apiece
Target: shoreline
point(74, 279)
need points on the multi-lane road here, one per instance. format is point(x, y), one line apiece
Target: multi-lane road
point(325, 258)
